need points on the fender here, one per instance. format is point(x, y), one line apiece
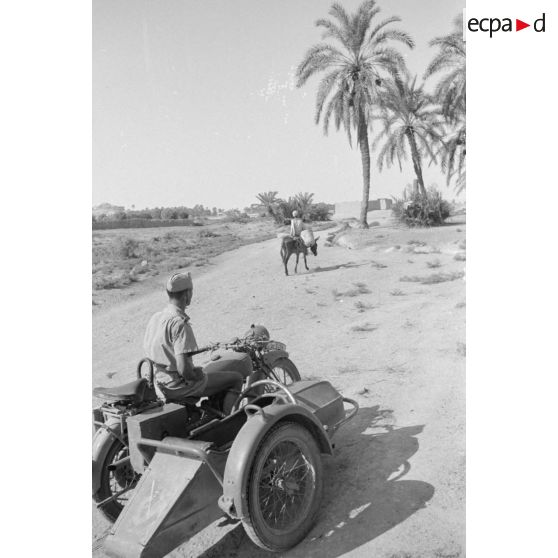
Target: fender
point(271, 356)
point(246, 444)
point(102, 441)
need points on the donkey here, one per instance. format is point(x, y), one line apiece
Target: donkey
point(290, 246)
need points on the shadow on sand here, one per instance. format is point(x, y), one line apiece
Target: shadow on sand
point(347, 265)
point(364, 494)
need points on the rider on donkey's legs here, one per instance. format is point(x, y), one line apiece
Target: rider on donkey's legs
point(297, 226)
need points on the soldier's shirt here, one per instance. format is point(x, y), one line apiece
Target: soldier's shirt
point(168, 334)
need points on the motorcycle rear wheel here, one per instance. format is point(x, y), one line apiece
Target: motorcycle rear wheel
point(284, 488)
point(112, 482)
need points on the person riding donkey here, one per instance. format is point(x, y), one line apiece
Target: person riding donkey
point(297, 226)
point(169, 338)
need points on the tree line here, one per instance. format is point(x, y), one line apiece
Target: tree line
point(159, 213)
point(282, 210)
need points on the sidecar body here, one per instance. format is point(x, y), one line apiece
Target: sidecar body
point(189, 481)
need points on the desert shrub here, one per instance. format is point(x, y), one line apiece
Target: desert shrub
point(112, 281)
point(117, 216)
point(318, 212)
point(169, 213)
point(283, 210)
point(207, 234)
point(422, 211)
point(236, 216)
point(359, 288)
point(366, 326)
point(139, 214)
point(363, 306)
point(434, 278)
point(126, 248)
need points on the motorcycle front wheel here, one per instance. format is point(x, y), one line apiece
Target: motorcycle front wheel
point(284, 371)
point(116, 484)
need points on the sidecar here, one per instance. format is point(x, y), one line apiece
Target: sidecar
point(261, 465)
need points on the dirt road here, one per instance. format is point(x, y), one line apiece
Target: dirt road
point(396, 486)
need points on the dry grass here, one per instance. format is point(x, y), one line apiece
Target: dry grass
point(434, 278)
point(358, 289)
point(367, 326)
point(349, 369)
point(363, 306)
point(396, 369)
point(124, 256)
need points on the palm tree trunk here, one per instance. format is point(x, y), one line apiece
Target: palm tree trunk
point(365, 156)
point(415, 155)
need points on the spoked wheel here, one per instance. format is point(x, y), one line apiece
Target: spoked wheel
point(284, 488)
point(116, 484)
point(285, 372)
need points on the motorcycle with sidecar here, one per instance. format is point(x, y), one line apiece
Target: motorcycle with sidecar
point(185, 464)
point(255, 356)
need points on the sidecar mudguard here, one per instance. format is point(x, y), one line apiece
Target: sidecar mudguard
point(175, 498)
point(246, 445)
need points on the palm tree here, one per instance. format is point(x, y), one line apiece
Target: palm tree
point(268, 200)
point(451, 94)
point(304, 200)
point(450, 90)
point(355, 66)
point(409, 117)
point(453, 151)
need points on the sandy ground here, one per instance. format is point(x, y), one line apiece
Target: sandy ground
point(396, 485)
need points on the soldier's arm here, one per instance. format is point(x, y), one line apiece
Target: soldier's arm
point(183, 342)
point(187, 369)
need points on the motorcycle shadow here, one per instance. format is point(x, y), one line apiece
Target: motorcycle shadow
point(364, 495)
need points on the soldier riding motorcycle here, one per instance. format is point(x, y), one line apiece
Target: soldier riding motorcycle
point(209, 393)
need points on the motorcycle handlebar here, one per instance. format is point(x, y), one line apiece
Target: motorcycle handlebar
point(230, 345)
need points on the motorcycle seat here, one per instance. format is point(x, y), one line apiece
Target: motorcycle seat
point(132, 392)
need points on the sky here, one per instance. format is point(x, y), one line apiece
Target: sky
point(194, 101)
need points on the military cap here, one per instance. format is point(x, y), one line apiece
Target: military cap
point(179, 282)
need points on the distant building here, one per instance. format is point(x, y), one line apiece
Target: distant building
point(346, 210)
point(380, 203)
